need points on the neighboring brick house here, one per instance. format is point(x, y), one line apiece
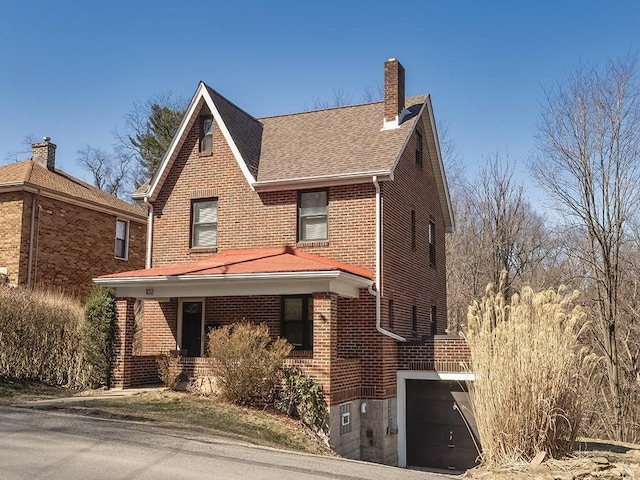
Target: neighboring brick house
point(58, 231)
point(328, 226)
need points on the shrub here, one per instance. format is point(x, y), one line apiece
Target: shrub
point(246, 361)
point(170, 370)
point(40, 337)
point(528, 371)
point(98, 331)
point(301, 397)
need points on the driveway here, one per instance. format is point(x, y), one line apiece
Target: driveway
point(36, 444)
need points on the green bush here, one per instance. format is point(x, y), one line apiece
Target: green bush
point(301, 397)
point(98, 331)
point(40, 337)
point(246, 362)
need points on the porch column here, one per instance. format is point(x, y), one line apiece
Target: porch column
point(122, 367)
point(325, 337)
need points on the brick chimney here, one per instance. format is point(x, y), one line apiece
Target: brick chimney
point(44, 154)
point(393, 92)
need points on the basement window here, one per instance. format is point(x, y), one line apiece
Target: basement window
point(345, 418)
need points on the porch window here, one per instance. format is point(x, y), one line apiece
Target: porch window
point(297, 321)
point(312, 215)
point(204, 222)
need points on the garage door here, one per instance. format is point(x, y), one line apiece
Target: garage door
point(440, 428)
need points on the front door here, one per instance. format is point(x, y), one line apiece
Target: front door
point(191, 339)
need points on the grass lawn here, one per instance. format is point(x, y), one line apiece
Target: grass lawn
point(190, 413)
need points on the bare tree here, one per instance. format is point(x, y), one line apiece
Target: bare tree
point(589, 144)
point(110, 172)
point(499, 238)
point(24, 151)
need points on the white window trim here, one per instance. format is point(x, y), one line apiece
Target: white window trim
point(194, 225)
point(301, 216)
point(126, 240)
point(179, 333)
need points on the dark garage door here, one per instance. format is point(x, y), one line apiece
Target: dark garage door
point(437, 433)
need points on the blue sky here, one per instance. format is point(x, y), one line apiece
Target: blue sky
point(71, 70)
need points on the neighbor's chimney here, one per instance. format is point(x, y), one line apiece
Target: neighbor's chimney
point(44, 154)
point(393, 92)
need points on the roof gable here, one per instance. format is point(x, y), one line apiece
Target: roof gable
point(241, 131)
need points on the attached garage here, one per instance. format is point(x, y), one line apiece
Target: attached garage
point(435, 426)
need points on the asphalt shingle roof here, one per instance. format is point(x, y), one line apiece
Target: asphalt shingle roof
point(29, 173)
point(334, 141)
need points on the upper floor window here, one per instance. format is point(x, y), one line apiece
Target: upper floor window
point(414, 320)
point(204, 222)
point(297, 321)
point(122, 239)
point(413, 229)
point(419, 147)
point(433, 319)
point(432, 242)
point(313, 215)
point(206, 133)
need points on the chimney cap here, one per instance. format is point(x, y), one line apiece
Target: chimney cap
point(46, 139)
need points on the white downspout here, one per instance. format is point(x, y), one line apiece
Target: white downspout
point(376, 292)
point(31, 234)
point(149, 233)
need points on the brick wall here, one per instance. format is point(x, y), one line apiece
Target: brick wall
point(75, 245)
point(447, 353)
point(11, 234)
point(408, 277)
point(247, 219)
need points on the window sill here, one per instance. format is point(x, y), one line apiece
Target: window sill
point(203, 250)
point(205, 154)
point(122, 259)
point(313, 243)
point(301, 353)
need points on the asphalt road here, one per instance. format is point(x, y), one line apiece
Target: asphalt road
point(37, 444)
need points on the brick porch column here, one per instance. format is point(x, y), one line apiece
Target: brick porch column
point(325, 337)
point(122, 368)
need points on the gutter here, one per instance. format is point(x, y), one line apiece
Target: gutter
point(376, 293)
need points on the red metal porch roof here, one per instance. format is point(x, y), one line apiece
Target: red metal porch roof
point(253, 261)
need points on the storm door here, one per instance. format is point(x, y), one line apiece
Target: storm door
point(191, 328)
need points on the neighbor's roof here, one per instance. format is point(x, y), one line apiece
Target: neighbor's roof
point(247, 262)
point(28, 174)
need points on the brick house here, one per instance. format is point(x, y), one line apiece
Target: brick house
point(58, 231)
point(328, 226)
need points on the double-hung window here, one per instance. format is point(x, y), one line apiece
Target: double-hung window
point(204, 222)
point(313, 216)
point(297, 321)
point(122, 239)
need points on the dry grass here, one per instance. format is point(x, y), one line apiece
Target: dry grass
point(40, 337)
point(207, 416)
point(529, 374)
